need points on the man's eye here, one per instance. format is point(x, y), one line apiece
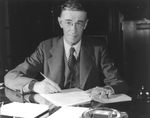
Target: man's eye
point(80, 24)
point(69, 23)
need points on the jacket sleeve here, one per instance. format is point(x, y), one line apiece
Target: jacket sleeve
point(111, 73)
point(25, 72)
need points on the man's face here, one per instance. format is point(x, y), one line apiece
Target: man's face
point(73, 24)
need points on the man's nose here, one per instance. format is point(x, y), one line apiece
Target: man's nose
point(74, 27)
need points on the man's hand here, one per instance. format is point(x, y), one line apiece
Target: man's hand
point(46, 86)
point(100, 91)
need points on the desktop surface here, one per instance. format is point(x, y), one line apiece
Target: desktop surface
point(134, 108)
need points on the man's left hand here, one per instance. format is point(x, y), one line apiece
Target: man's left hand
point(100, 91)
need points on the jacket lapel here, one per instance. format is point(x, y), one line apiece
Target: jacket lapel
point(56, 62)
point(85, 64)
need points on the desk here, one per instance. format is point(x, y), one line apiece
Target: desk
point(135, 109)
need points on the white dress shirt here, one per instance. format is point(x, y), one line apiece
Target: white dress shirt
point(76, 47)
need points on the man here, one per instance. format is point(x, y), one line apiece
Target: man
point(52, 57)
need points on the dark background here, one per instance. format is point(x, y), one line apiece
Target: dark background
point(25, 23)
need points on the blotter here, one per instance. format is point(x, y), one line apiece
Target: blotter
point(68, 97)
point(25, 110)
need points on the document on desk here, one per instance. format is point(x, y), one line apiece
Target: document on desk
point(69, 112)
point(25, 110)
point(68, 97)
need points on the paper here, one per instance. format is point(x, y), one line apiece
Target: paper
point(68, 97)
point(76, 96)
point(113, 98)
point(69, 112)
point(25, 110)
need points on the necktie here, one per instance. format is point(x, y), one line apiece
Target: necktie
point(71, 65)
point(72, 59)
point(72, 78)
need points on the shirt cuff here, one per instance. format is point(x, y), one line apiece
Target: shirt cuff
point(29, 87)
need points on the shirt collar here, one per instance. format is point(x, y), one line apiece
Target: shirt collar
point(76, 47)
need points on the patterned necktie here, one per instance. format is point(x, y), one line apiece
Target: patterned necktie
point(72, 59)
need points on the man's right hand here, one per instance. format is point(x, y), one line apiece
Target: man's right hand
point(46, 86)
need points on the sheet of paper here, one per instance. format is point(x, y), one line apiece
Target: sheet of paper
point(68, 97)
point(113, 98)
point(69, 112)
point(25, 110)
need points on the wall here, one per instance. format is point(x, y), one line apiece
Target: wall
point(136, 54)
point(4, 38)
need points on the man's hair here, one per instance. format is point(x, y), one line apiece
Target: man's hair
point(73, 5)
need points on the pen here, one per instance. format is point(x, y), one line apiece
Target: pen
point(51, 82)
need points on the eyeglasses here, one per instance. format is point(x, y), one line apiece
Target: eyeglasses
point(79, 24)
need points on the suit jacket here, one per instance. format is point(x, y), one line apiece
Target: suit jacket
point(96, 67)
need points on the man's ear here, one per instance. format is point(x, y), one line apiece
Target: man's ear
point(60, 21)
point(85, 25)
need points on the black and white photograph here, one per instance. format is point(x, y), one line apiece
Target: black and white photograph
point(75, 58)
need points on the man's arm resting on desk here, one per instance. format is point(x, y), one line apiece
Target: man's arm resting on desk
point(23, 84)
point(17, 82)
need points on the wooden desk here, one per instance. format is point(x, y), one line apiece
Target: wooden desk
point(135, 109)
